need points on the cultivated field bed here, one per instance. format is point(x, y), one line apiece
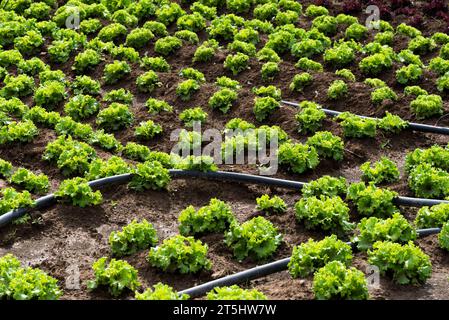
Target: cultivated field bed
point(63, 237)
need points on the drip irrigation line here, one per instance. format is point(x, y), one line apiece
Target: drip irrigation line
point(239, 177)
point(121, 178)
point(428, 232)
point(288, 184)
point(263, 271)
point(411, 125)
point(417, 202)
point(218, 175)
point(239, 277)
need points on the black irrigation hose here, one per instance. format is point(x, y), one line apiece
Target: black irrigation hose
point(411, 125)
point(50, 198)
point(239, 277)
point(427, 232)
point(262, 271)
point(417, 202)
point(289, 184)
point(121, 178)
point(218, 175)
point(239, 177)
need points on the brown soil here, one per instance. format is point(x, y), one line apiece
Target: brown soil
point(64, 237)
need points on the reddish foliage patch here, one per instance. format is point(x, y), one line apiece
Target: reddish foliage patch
point(435, 6)
point(352, 6)
point(413, 11)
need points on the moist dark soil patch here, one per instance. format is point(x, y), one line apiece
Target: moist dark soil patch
point(65, 238)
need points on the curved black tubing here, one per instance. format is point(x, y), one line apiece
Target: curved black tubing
point(50, 198)
point(239, 177)
point(417, 202)
point(262, 271)
point(218, 175)
point(122, 178)
point(428, 232)
point(413, 126)
point(239, 277)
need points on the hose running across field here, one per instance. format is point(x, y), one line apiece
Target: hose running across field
point(219, 175)
point(412, 126)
